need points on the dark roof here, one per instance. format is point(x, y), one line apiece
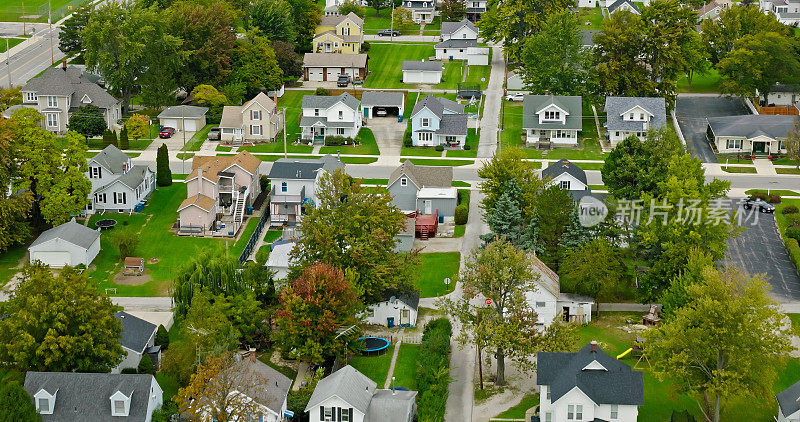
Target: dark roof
point(429, 66)
point(349, 385)
point(614, 6)
point(453, 124)
point(752, 125)
point(71, 82)
point(72, 232)
point(532, 104)
point(303, 169)
point(260, 382)
point(587, 37)
point(410, 298)
point(136, 332)
point(785, 88)
point(562, 372)
point(564, 166)
point(135, 176)
point(111, 158)
point(382, 98)
point(617, 106)
point(788, 399)
point(437, 105)
point(423, 176)
point(89, 395)
point(324, 101)
point(457, 43)
point(450, 27)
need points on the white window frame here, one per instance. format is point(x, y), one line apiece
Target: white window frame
point(45, 411)
point(327, 414)
point(425, 122)
point(614, 411)
point(120, 197)
point(340, 131)
point(316, 112)
point(52, 101)
point(255, 130)
point(403, 181)
point(31, 97)
point(52, 119)
point(737, 143)
point(564, 184)
point(426, 136)
point(571, 412)
point(579, 412)
point(341, 115)
point(255, 114)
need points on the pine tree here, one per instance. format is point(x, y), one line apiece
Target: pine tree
point(162, 337)
point(146, 366)
point(123, 139)
point(163, 173)
point(506, 220)
point(576, 234)
point(109, 138)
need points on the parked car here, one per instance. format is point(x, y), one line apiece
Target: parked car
point(517, 96)
point(214, 134)
point(762, 205)
point(380, 112)
point(166, 132)
point(343, 80)
point(388, 33)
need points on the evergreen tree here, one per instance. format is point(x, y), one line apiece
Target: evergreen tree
point(16, 405)
point(146, 366)
point(123, 138)
point(162, 337)
point(576, 234)
point(109, 138)
point(505, 219)
point(163, 173)
point(69, 39)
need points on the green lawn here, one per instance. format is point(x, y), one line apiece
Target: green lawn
point(221, 148)
point(185, 155)
point(292, 101)
point(248, 231)
point(9, 261)
point(372, 23)
point(420, 151)
point(451, 75)
point(13, 10)
point(272, 235)
point(359, 160)
point(405, 369)
point(518, 410)
point(591, 15)
point(479, 74)
point(739, 169)
point(168, 383)
point(379, 182)
point(787, 171)
point(435, 162)
point(435, 267)
point(389, 74)
point(708, 82)
point(11, 43)
point(598, 187)
point(177, 176)
point(589, 166)
point(375, 368)
point(781, 192)
point(278, 146)
point(197, 139)
point(473, 136)
point(460, 184)
point(459, 229)
point(366, 141)
point(133, 144)
point(785, 161)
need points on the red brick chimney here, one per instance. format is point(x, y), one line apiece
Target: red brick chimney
point(252, 354)
point(593, 346)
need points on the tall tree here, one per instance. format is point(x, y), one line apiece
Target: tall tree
point(512, 21)
point(378, 5)
point(88, 120)
point(306, 15)
point(554, 208)
point(554, 58)
point(452, 10)
point(720, 35)
point(9, 97)
point(503, 273)
point(402, 18)
point(352, 6)
point(124, 142)
point(728, 342)
point(59, 323)
point(634, 167)
point(16, 405)
point(288, 60)
point(677, 295)
point(792, 145)
point(69, 38)
point(15, 206)
point(163, 172)
point(255, 65)
point(506, 166)
point(312, 309)
point(274, 19)
point(596, 269)
point(138, 125)
point(619, 57)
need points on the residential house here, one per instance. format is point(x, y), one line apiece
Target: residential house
point(422, 11)
point(60, 91)
point(750, 134)
point(475, 9)
point(588, 385)
point(322, 67)
point(257, 120)
point(60, 396)
point(422, 72)
point(622, 5)
point(404, 240)
point(460, 42)
point(117, 184)
point(219, 189)
point(567, 176)
point(294, 186)
point(789, 404)
point(339, 34)
point(514, 81)
point(438, 121)
point(786, 12)
point(423, 189)
point(550, 303)
point(587, 38)
point(710, 11)
point(463, 30)
point(587, 3)
point(70, 244)
point(255, 381)
point(183, 117)
point(349, 396)
point(397, 308)
point(330, 116)
point(279, 260)
point(785, 95)
point(551, 119)
point(393, 103)
point(138, 340)
point(633, 116)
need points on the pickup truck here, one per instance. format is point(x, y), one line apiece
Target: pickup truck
point(343, 81)
point(214, 134)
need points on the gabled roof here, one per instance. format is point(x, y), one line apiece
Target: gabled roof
point(213, 165)
point(325, 102)
point(789, 399)
point(422, 65)
point(532, 104)
point(136, 332)
point(233, 116)
point(343, 38)
point(457, 43)
point(382, 98)
point(303, 168)
point(562, 372)
point(752, 125)
point(349, 385)
point(423, 176)
point(564, 166)
point(453, 124)
point(89, 394)
point(335, 60)
point(72, 232)
point(548, 279)
point(183, 111)
point(70, 82)
point(614, 6)
point(201, 201)
point(437, 105)
point(617, 106)
point(408, 297)
point(260, 382)
point(707, 8)
point(388, 406)
point(335, 20)
point(451, 27)
point(134, 177)
point(112, 159)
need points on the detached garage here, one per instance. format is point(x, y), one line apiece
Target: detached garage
point(183, 117)
point(422, 72)
point(68, 244)
point(326, 67)
point(383, 103)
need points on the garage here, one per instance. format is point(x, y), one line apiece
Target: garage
point(173, 123)
point(383, 104)
point(422, 72)
point(183, 117)
point(52, 258)
point(333, 74)
point(190, 125)
point(315, 74)
point(68, 244)
point(319, 67)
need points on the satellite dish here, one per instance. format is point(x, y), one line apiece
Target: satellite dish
point(447, 280)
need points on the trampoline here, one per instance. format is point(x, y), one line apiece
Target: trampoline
point(106, 224)
point(374, 345)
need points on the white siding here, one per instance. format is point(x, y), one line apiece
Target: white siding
point(335, 402)
point(421, 77)
point(58, 253)
point(382, 311)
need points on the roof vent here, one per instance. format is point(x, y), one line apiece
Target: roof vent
point(565, 164)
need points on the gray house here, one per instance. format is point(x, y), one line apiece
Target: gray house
point(552, 119)
point(60, 396)
point(634, 116)
point(424, 189)
point(183, 117)
point(68, 244)
point(294, 185)
point(117, 184)
point(751, 134)
point(422, 72)
point(137, 339)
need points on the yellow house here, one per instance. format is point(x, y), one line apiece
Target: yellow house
point(339, 34)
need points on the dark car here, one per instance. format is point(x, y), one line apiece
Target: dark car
point(166, 132)
point(214, 134)
point(343, 80)
point(388, 33)
point(762, 205)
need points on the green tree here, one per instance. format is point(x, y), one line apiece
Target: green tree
point(16, 405)
point(635, 166)
point(110, 138)
point(88, 120)
point(728, 342)
point(506, 166)
point(503, 273)
point(312, 309)
point(124, 143)
point(354, 230)
point(274, 19)
point(146, 366)
point(288, 60)
point(162, 337)
point(378, 5)
point(208, 96)
point(512, 21)
point(554, 58)
point(138, 125)
point(596, 269)
point(255, 64)
point(351, 6)
point(619, 60)
point(163, 172)
point(126, 241)
point(677, 295)
point(792, 145)
point(9, 97)
point(306, 15)
point(59, 323)
point(452, 10)
point(15, 207)
point(720, 35)
point(554, 208)
point(505, 219)
point(402, 18)
point(69, 38)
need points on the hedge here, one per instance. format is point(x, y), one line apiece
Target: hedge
point(461, 215)
point(433, 377)
point(789, 209)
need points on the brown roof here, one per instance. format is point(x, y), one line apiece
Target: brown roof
point(547, 277)
point(232, 115)
point(334, 60)
point(201, 201)
point(212, 166)
point(334, 20)
point(424, 176)
point(707, 8)
point(133, 261)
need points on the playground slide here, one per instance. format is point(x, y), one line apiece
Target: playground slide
point(623, 354)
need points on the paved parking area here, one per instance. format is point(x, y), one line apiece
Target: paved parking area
point(388, 134)
point(759, 250)
point(693, 112)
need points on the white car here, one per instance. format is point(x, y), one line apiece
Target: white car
point(517, 96)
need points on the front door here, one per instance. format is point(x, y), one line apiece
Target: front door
point(428, 206)
point(759, 147)
point(390, 322)
point(405, 317)
point(566, 313)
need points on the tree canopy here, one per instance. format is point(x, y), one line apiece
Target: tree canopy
point(511, 21)
point(757, 63)
point(88, 120)
point(16, 405)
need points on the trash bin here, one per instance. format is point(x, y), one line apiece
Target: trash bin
point(249, 210)
point(441, 218)
point(400, 118)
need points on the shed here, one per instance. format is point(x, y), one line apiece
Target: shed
point(190, 118)
point(393, 102)
point(68, 244)
point(397, 308)
point(422, 72)
point(279, 259)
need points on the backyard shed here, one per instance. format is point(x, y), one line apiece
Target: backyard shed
point(395, 308)
point(68, 244)
point(393, 102)
point(190, 118)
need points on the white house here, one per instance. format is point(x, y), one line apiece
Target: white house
point(552, 119)
point(462, 49)
point(349, 396)
point(257, 120)
point(137, 339)
point(330, 116)
point(569, 177)
point(550, 303)
point(622, 5)
point(587, 386)
point(786, 12)
point(423, 189)
point(422, 72)
point(475, 9)
point(464, 29)
point(438, 121)
point(751, 134)
point(789, 404)
point(633, 116)
point(422, 11)
point(294, 186)
point(781, 95)
point(321, 67)
point(396, 309)
point(184, 117)
point(68, 244)
point(95, 397)
point(117, 184)
point(279, 259)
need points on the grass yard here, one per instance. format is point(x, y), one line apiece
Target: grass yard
point(518, 410)
point(276, 157)
point(176, 176)
point(13, 10)
point(479, 74)
point(375, 368)
point(391, 56)
point(292, 101)
point(221, 148)
point(739, 169)
point(708, 82)
point(276, 147)
point(185, 155)
point(379, 182)
point(366, 141)
point(598, 187)
point(359, 160)
point(787, 171)
point(420, 152)
point(785, 161)
point(473, 136)
point(435, 162)
point(434, 269)
point(248, 231)
point(11, 43)
point(9, 261)
point(459, 229)
point(590, 166)
point(197, 139)
point(460, 184)
point(405, 369)
point(592, 15)
point(133, 144)
point(373, 23)
point(781, 192)
point(272, 235)
point(168, 383)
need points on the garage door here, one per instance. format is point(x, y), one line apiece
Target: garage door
point(52, 258)
point(411, 77)
point(333, 73)
point(173, 123)
point(315, 75)
point(190, 125)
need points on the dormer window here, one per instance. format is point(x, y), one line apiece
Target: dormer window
point(95, 172)
point(564, 184)
point(43, 406)
point(316, 112)
point(284, 187)
point(30, 97)
point(120, 404)
point(45, 402)
point(631, 116)
point(552, 115)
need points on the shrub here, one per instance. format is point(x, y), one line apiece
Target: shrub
point(264, 182)
point(432, 377)
point(463, 197)
point(146, 366)
point(335, 141)
point(129, 371)
point(162, 337)
point(793, 233)
point(439, 148)
point(109, 138)
point(365, 46)
point(124, 143)
point(163, 172)
point(789, 209)
point(126, 241)
point(467, 147)
point(407, 142)
point(462, 214)
point(322, 91)
point(165, 412)
point(792, 220)
point(760, 195)
point(774, 199)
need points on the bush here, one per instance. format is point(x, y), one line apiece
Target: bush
point(264, 182)
point(163, 172)
point(789, 209)
point(126, 241)
point(467, 147)
point(407, 142)
point(146, 366)
point(109, 138)
point(774, 199)
point(88, 120)
point(439, 148)
point(432, 386)
point(322, 91)
point(793, 233)
point(462, 214)
point(760, 195)
point(336, 141)
point(165, 412)
point(792, 220)
point(129, 371)
point(162, 337)
point(463, 197)
point(365, 46)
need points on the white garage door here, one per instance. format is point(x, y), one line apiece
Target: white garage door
point(411, 77)
point(52, 258)
point(315, 74)
point(173, 123)
point(190, 125)
point(333, 73)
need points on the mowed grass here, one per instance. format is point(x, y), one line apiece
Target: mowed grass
point(703, 83)
point(518, 410)
point(592, 15)
point(375, 368)
point(292, 101)
point(13, 10)
point(9, 261)
point(388, 59)
point(405, 369)
point(366, 145)
point(197, 140)
point(435, 267)
point(473, 136)
point(439, 162)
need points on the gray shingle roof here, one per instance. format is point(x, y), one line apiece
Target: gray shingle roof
point(303, 168)
point(614, 6)
point(437, 105)
point(785, 88)
point(183, 111)
point(564, 166)
point(88, 395)
point(564, 371)
point(410, 298)
point(534, 103)
point(456, 43)
point(751, 125)
point(308, 121)
point(587, 37)
point(788, 399)
point(135, 176)
point(453, 124)
point(72, 232)
point(136, 332)
point(71, 83)
point(391, 407)
point(262, 383)
point(382, 98)
point(325, 102)
point(421, 65)
point(450, 27)
point(423, 176)
point(112, 159)
point(349, 385)
point(616, 106)
point(335, 60)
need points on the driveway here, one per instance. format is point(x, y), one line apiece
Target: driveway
point(388, 134)
point(759, 250)
point(693, 113)
point(403, 38)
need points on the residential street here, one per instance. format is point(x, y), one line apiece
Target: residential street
point(31, 57)
point(493, 96)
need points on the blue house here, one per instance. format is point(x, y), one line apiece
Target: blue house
point(438, 121)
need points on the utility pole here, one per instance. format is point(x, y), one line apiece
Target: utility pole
point(8, 63)
point(50, 22)
point(284, 133)
point(391, 26)
point(183, 129)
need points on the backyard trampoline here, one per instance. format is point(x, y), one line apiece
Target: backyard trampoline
point(374, 345)
point(106, 224)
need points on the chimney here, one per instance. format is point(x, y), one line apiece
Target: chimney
point(64, 64)
point(124, 168)
point(275, 97)
point(393, 391)
point(593, 346)
point(252, 354)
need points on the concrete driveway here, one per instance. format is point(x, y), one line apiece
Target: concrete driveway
point(760, 250)
point(693, 113)
point(388, 134)
point(403, 38)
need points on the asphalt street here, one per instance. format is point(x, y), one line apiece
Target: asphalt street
point(33, 59)
point(693, 113)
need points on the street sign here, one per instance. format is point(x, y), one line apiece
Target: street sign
point(447, 280)
point(288, 414)
point(488, 302)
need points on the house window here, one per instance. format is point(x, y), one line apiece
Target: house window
point(284, 187)
point(614, 411)
point(540, 304)
point(31, 97)
point(734, 144)
point(425, 122)
point(548, 417)
point(425, 136)
point(403, 181)
point(316, 112)
point(565, 184)
point(43, 405)
point(781, 145)
point(119, 407)
point(341, 114)
point(340, 131)
point(52, 101)
point(579, 412)
point(255, 114)
point(345, 416)
point(370, 313)
point(327, 414)
point(95, 172)
point(119, 197)
point(630, 116)
point(552, 115)
point(346, 31)
point(548, 393)
point(571, 412)
point(255, 129)
point(52, 120)
point(641, 116)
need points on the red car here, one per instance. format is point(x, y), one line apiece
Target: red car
point(166, 132)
